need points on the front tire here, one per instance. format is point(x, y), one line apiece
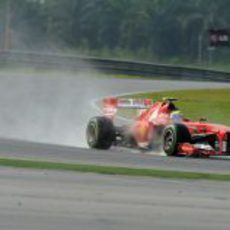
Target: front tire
point(100, 133)
point(173, 135)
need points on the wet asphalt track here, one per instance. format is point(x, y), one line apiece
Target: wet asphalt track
point(73, 201)
point(54, 110)
point(114, 157)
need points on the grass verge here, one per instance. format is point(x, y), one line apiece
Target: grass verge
point(112, 170)
point(194, 104)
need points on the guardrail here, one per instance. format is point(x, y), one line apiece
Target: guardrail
point(47, 60)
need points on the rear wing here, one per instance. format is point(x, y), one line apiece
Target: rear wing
point(111, 105)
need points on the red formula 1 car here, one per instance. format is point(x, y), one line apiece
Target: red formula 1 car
point(158, 123)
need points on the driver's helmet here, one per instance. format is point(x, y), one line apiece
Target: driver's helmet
point(176, 116)
point(172, 107)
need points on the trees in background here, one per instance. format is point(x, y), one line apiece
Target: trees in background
point(154, 29)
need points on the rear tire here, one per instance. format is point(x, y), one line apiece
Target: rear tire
point(100, 133)
point(174, 135)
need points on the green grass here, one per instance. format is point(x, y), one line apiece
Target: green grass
point(126, 76)
point(141, 77)
point(214, 104)
point(112, 170)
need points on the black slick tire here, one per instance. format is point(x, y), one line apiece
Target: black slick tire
point(100, 133)
point(174, 135)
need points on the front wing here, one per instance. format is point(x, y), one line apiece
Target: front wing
point(204, 150)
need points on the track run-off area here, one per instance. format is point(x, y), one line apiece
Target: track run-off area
point(43, 117)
